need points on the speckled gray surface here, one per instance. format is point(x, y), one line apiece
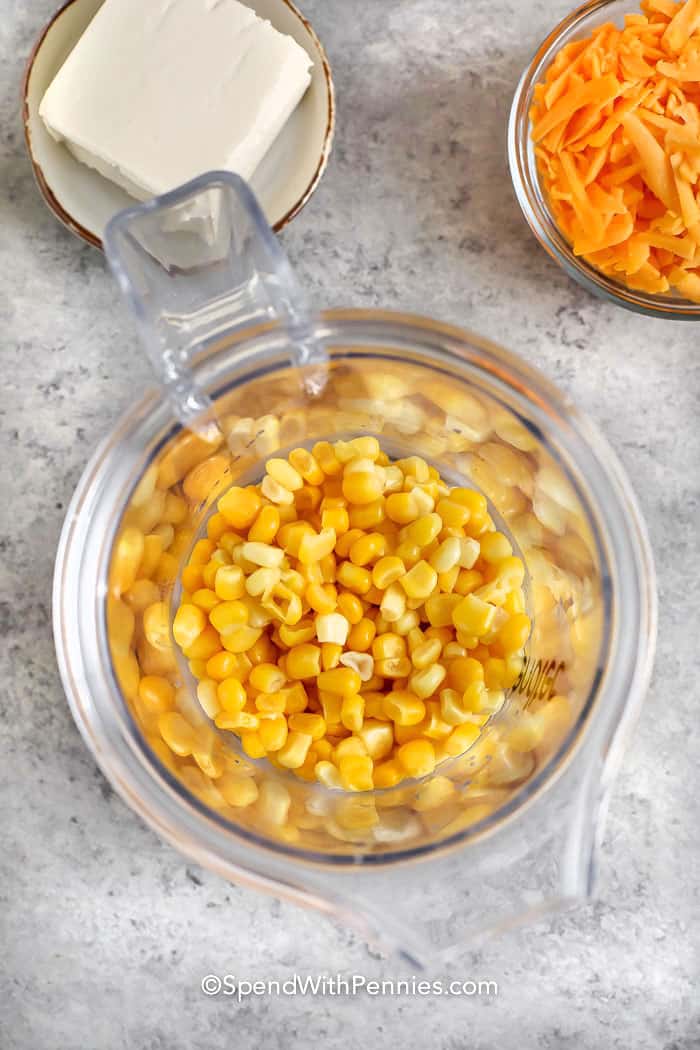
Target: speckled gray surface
point(106, 932)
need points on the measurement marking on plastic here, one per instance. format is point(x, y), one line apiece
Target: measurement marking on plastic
point(537, 679)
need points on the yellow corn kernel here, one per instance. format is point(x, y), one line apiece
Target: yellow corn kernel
point(226, 616)
point(388, 774)
point(314, 546)
point(473, 616)
point(295, 750)
point(284, 474)
point(353, 577)
point(240, 506)
point(325, 456)
point(454, 515)
point(264, 528)
point(415, 467)
point(330, 655)
point(352, 712)
point(252, 744)
point(341, 680)
point(452, 650)
point(367, 549)
point(365, 447)
point(275, 492)
point(424, 530)
point(468, 581)
point(240, 639)
point(327, 773)
point(205, 478)
point(273, 732)
point(403, 507)
point(417, 757)
point(387, 570)
point(345, 542)
point(463, 671)
point(322, 599)
point(447, 555)
point(426, 653)
point(267, 678)
point(475, 697)
point(351, 607)
point(262, 554)
point(330, 704)
point(514, 634)
point(207, 694)
point(393, 603)
point(406, 623)
point(141, 594)
point(377, 737)
point(157, 694)
point(361, 487)
point(363, 663)
point(156, 626)
point(312, 725)
point(122, 623)
point(303, 661)
point(307, 499)
point(461, 739)
point(198, 668)
point(273, 803)
point(262, 582)
point(427, 682)
point(188, 624)
point(238, 791)
point(332, 627)
point(335, 518)
point(495, 547)
point(166, 534)
point(238, 721)
point(447, 580)
point(356, 772)
point(177, 733)
point(126, 560)
point(298, 634)
point(420, 581)
point(216, 526)
point(306, 465)
point(227, 665)
point(452, 709)
point(367, 515)
point(270, 703)
point(388, 646)
point(128, 672)
point(153, 547)
point(231, 695)
point(361, 635)
point(394, 667)
point(404, 708)
point(408, 552)
point(435, 792)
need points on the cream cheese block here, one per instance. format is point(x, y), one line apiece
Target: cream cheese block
point(157, 92)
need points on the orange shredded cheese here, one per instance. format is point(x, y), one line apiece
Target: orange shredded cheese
point(616, 127)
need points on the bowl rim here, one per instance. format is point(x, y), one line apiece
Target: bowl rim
point(76, 227)
point(526, 184)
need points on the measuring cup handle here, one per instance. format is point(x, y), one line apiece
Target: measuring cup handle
point(198, 264)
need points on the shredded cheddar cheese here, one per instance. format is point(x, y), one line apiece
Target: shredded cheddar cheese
point(616, 127)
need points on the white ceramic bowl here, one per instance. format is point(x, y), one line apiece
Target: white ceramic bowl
point(85, 201)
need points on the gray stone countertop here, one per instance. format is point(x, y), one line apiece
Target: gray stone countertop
point(106, 931)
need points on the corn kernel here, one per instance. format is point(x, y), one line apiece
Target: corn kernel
point(240, 506)
point(298, 634)
point(313, 546)
point(361, 635)
point(207, 694)
point(356, 772)
point(353, 577)
point(461, 739)
point(188, 624)
point(495, 547)
point(312, 725)
point(417, 757)
point(304, 661)
point(473, 616)
point(404, 708)
point(238, 791)
point(342, 680)
point(424, 530)
point(332, 627)
point(377, 737)
point(335, 518)
point(177, 733)
point(267, 678)
point(306, 465)
point(226, 616)
point(427, 682)
point(360, 487)
point(420, 581)
point(426, 653)
point(388, 774)
point(387, 570)
point(393, 603)
point(273, 732)
point(322, 598)
point(363, 663)
point(240, 639)
point(157, 694)
point(330, 655)
point(393, 667)
point(367, 515)
point(252, 744)
point(403, 507)
point(294, 752)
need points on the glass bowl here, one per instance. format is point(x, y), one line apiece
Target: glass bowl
point(519, 820)
point(526, 178)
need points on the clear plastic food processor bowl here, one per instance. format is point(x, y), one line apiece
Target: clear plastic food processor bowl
point(503, 832)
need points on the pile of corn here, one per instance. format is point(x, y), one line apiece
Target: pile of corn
point(351, 619)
